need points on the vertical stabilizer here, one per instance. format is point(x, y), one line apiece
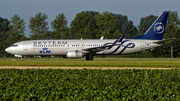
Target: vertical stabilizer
point(156, 30)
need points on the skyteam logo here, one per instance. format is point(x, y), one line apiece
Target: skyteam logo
point(128, 45)
point(45, 50)
point(159, 27)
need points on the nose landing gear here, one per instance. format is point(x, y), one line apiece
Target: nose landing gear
point(19, 56)
point(21, 59)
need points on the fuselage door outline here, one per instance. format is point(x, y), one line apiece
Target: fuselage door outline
point(25, 46)
point(142, 45)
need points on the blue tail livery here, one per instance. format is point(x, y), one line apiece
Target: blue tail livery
point(156, 31)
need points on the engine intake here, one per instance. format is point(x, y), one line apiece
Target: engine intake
point(74, 54)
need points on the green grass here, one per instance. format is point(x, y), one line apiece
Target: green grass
point(95, 59)
point(98, 62)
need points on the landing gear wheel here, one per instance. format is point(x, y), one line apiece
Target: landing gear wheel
point(88, 58)
point(92, 58)
point(21, 59)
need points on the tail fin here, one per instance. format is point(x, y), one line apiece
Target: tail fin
point(156, 31)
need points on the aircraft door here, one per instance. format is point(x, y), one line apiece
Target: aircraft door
point(142, 45)
point(25, 46)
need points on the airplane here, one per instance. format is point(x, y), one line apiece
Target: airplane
point(88, 48)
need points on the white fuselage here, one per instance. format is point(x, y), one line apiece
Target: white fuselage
point(60, 47)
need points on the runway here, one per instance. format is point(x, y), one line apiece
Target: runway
point(81, 68)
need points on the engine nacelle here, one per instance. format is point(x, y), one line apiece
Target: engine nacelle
point(19, 56)
point(74, 54)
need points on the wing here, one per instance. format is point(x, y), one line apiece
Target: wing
point(99, 48)
point(104, 47)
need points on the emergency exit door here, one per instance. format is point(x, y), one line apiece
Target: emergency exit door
point(25, 46)
point(142, 45)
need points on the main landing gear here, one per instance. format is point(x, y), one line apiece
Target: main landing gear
point(89, 57)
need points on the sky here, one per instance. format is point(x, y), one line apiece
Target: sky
point(133, 9)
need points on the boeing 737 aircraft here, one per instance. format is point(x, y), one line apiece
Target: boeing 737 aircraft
point(152, 38)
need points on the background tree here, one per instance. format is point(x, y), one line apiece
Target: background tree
point(106, 25)
point(39, 26)
point(83, 26)
point(126, 27)
point(59, 26)
point(130, 30)
point(16, 29)
point(91, 24)
point(4, 43)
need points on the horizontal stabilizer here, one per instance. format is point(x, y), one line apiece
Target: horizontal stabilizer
point(162, 41)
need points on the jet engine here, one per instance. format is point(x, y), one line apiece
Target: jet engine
point(74, 54)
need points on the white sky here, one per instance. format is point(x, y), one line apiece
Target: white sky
point(134, 9)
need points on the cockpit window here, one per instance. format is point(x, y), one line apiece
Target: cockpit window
point(14, 45)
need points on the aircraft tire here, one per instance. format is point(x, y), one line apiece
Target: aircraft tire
point(87, 58)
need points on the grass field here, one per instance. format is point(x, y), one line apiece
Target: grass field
point(98, 62)
point(89, 85)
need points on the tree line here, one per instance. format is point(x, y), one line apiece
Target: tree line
point(88, 25)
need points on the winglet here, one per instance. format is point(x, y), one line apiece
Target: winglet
point(121, 38)
point(101, 37)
